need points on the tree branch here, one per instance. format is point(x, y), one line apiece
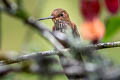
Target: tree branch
point(105, 45)
point(53, 52)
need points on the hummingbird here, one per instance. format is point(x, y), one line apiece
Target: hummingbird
point(62, 22)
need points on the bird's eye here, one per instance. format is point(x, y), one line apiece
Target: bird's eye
point(62, 14)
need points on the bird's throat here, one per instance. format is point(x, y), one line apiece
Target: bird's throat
point(60, 26)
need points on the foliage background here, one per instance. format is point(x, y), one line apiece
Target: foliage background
point(17, 37)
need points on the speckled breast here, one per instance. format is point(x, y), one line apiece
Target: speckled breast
point(60, 26)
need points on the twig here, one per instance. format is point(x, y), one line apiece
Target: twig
point(53, 52)
point(31, 56)
point(105, 45)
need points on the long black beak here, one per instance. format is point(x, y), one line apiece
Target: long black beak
point(50, 17)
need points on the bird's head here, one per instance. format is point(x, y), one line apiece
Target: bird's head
point(58, 15)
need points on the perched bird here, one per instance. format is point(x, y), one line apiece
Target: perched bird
point(61, 21)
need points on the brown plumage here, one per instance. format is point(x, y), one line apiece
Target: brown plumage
point(61, 21)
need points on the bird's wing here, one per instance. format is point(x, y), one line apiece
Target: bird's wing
point(75, 30)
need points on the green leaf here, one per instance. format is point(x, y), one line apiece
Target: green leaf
point(112, 26)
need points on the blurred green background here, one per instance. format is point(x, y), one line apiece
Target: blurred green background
point(16, 36)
